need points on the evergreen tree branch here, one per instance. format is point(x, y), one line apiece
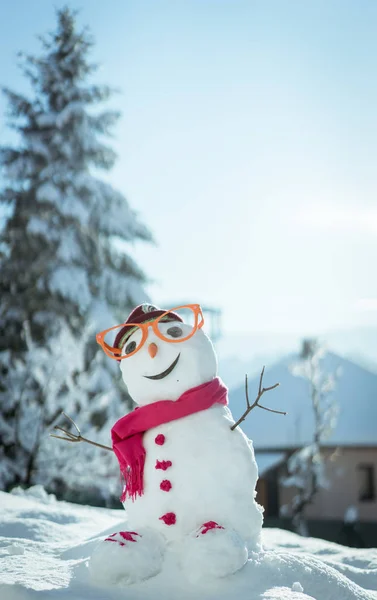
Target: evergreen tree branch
point(61, 234)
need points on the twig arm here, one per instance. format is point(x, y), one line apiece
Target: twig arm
point(247, 392)
point(278, 412)
point(249, 407)
point(72, 437)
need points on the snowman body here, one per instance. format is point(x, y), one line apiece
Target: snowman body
point(198, 470)
point(199, 476)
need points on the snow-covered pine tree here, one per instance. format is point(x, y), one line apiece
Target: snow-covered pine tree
point(64, 270)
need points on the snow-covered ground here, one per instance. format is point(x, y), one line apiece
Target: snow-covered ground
point(45, 546)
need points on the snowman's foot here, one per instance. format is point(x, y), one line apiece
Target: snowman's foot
point(213, 551)
point(127, 557)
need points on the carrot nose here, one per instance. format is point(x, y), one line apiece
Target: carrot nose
point(152, 349)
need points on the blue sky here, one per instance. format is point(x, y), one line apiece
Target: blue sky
point(248, 144)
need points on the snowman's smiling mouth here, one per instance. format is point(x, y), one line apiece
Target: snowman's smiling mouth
point(164, 373)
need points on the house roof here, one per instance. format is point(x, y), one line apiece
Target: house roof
point(355, 392)
point(268, 460)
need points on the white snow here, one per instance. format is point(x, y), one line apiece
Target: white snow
point(48, 192)
point(218, 553)
point(45, 546)
point(126, 561)
point(72, 283)
point(46, 120)
point(69, 248)
point(40, 226)
point(73, 109)
point(71, 205)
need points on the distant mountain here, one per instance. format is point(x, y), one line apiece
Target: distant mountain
point(355, 392)
point(239, 354)
point(358, 344)
point(247, 353)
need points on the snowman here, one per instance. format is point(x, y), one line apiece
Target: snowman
point(189, 480)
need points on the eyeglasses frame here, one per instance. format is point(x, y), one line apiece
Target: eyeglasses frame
point(116, 353)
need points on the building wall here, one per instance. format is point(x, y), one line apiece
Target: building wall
point(345, 481)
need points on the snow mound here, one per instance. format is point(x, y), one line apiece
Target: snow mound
point(45, 546)
point(218, 553)
point(36, 491)
point(132, 557)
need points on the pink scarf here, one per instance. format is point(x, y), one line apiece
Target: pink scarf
point(127, 433)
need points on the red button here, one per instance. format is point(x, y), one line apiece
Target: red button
point(169, 518)
point(160, 439)
point(165, 485)
point(163, 464)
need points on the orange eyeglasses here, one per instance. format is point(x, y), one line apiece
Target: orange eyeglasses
point(188, 312)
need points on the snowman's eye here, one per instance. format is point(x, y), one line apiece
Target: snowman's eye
point(174, 332)
point(130, 347)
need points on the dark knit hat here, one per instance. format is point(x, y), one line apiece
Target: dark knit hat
point(142, 314)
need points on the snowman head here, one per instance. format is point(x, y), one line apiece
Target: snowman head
point(160, 355)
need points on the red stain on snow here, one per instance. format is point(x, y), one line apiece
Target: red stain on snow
point(126, 535)
point(160, 439)
point(208, 526)
point(116, 541)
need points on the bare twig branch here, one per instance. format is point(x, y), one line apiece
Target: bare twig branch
point(278, 412)
point(73, 423)
point(261, 391)
point(72, 437)
point(247, 392)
